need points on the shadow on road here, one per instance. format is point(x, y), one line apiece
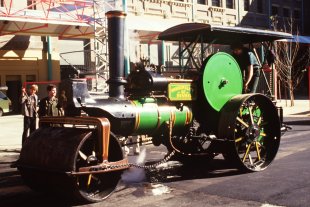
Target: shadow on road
point(305, 122)
point(14, 193)
point(194, 170)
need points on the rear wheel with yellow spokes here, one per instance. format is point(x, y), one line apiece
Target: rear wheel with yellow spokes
point(250, 125)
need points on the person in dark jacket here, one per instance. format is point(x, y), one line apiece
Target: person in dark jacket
point(249, 66)
point(29, 110)
point(49, 106)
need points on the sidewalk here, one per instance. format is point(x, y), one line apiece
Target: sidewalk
point(11, 129)
point(301, 108)
point(11, 126)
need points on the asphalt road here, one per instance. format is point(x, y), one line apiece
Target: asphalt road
point(285, 183)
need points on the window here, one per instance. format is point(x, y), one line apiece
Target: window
point(31, 4)
point(286, 12)
point(201, 2)
point(260, 4)
point(274, 10)
point(216, 3)
point(296, 14)
point(246, 5)
point(1, 2)
point(230, 4)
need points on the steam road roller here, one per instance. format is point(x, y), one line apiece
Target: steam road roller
point(202, 113)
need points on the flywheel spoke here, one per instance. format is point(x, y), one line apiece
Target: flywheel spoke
point(242, 122)
point(239, 139)
point(257, 151)
point(250, 158)
point(89, 180)
point(82, 155)
point(259, 121)
point(246, 152)
point(251, 114)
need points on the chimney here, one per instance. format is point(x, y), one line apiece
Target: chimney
point(116, 21)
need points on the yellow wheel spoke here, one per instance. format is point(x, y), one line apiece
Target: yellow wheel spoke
point(257, 150)
point(259, 121)
point(238, 139)
point(83, 156)
point(250, 158)
point(242, 122)
point(263, 134)
point(247, 152)
point(251, 114)
point(89, 180)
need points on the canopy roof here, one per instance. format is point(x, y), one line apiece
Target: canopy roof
point(63, 19)
point(216, 34)
point(299, 39)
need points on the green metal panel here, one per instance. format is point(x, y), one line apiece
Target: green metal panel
point(147, 117)
point(222, 79)
point(151, 117)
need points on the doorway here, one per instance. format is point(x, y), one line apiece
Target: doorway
point(14, 92)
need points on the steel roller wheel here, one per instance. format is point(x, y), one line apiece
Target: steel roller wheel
point(51, 154)
point(251, 126)
point(97, 187)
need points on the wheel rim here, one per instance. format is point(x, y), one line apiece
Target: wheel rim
point(51, 152)
point(96, 187)
point(256, 133)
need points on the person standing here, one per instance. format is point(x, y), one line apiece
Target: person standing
point(249, 66)
point(29, 110)
point(49, 106)
point(62, 102)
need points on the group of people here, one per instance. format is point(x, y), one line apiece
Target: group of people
point(32, 108)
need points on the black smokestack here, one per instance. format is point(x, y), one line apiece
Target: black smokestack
point(116, 20)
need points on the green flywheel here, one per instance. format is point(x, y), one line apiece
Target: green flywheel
point(222, 79)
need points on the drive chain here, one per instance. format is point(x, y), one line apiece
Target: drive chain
point(152, 166)
point(146, 167)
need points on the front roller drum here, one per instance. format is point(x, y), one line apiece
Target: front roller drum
point(251, 127)
point(52, 155)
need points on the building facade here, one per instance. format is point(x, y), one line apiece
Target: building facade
point(29, 42)
point(146, 18)
point(48, 37)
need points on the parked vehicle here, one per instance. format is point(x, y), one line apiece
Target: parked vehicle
point(5, 104)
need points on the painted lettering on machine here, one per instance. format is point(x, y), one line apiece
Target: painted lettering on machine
point(181, 92)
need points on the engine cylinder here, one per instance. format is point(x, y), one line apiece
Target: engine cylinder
point(152, 117)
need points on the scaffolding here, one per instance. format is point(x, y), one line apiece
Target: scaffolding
point(100, 44)
point(65, 19)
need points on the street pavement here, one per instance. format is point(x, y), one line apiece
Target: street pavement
point(285, 183)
